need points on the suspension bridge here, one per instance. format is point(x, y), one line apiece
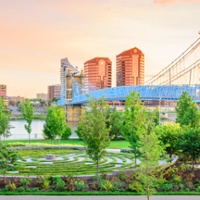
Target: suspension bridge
point(183, 74)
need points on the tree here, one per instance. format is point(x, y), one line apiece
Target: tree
point(8, 158)
point(55, 123)
point(94, 131)
point(151, 152)
point(189, 143)
point(67, 133)
point(168, 133)
point(4, 119)
point(187, 111)
point(132, 121)
point(27, 110)
point(116, 123)
point(135, 118)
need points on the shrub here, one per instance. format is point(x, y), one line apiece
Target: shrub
point(166, 187)
point(67, 133)
point(24, 181)
point(80, 185)
point(60, 184)
point(28, 190)
point(117, 184)
point(122, 176)
point(45, 181)
point(70, 182)
point(135, 187)
point(177, 179)
point(12, 187)
point(106, 185)
point(20, 189)
point(35, 189)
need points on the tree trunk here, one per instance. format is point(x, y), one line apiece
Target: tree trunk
point(59, 142)
point(29, 138)
point(97, 164)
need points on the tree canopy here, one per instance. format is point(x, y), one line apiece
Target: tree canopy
point(187, 111)
point(169, 133)
point(27, 110)
point(136, 118)
point(55, 123)
point(4, 118)
point(94, 131)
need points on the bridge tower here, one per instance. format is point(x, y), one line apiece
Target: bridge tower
point(73, 82)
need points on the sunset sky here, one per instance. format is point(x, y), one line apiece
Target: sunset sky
point(36, 34)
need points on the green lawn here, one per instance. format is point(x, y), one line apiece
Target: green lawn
point(32, 162)
point(71, 142)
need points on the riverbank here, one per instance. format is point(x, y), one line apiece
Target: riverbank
point(35, 116)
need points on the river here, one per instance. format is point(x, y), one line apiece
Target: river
point(18, 131)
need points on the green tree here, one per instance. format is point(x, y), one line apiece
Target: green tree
point(168, 133)
point(94, 131)
point(55, 123)
point(189, 143)
point(116, 123)
point(132, 121)
point(4, 119)
point(8, 158)
point(67, 133)
point(27, 110)
point(135, 118)
point(187, 111)
point(78, 131)
point(151, 153)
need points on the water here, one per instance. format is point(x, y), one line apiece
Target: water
point(18, 131)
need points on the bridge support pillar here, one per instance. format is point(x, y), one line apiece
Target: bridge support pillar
point(73, 112)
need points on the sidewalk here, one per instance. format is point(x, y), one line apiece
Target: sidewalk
point(29, 197)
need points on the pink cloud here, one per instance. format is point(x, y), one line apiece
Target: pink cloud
point(172, 1)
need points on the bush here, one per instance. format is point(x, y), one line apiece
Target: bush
point(67, 133)
point(20, 189)
point(106, 185)
point(24, 181)
point(135, 187)
point(60, 184)
point(35, 189)
point(80, 185)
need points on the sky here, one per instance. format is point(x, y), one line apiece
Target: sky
point(36, 34)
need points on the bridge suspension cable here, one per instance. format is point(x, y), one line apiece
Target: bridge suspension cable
point(183, 70)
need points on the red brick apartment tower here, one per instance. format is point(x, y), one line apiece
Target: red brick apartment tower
point(130, 68)
point(98, 71)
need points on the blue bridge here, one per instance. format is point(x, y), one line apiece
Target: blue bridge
point(183, 74)
point(172, 92)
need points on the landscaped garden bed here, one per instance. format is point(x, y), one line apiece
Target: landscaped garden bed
point(66, 162)
point(176, 180)
point(72, 171)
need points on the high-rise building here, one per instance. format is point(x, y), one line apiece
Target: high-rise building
point(98, 72)
point(130, 68)
point(54, 91)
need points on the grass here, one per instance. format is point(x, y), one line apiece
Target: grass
point(71, 142)
point(65, 166)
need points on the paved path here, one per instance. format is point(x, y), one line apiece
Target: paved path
point(2, 197)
